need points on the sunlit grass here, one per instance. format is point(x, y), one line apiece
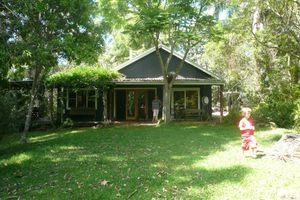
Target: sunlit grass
point(178, 161)
point(16, 159)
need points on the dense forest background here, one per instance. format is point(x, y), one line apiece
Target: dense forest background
point(254, 46)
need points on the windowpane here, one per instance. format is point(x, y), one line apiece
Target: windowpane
point(91, 98)
point(72, 94)
point(72, 99)
point(81, 99)
point(191, 99)
point(130, 104)
point(72, 103)
point(178, 100)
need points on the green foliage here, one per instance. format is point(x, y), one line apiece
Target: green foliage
point(68, 123)
point(38, 33)
point(234, 116)
point(258, 56)
point(183, 24)
point(297, 115)
point(276, 108)
point(120, 49)
point(12, 111)
point(114, 12)
point(297, 108)
point(83, 77)
point(232, 58)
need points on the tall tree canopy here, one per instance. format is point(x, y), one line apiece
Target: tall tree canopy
point(260, 55)
point(39, 33)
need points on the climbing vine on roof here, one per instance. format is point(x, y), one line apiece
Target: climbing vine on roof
point(83, 77)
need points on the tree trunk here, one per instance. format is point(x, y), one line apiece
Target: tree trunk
point(166, 112)
point(51, 110)
point(62, 105)
point(169, 78)
point(33, 94)
point(257, 24)
point(28, 118)
point(106, 122)
point(221, 102)
point(295, 72)
point(104, 99)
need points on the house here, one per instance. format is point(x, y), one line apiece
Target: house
point(131, 96)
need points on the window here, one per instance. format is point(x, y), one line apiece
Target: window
point(91, 98)
point(130, 104)
point(179, 100)
point(82, 99)
point(72, 99)
point(185, 99)
point(192, 99)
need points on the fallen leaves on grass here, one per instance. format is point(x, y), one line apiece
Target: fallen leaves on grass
point(104, 182)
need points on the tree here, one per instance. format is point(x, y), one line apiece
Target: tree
point(261, 51)
point(278, 36)
point(233, 58)
point(118, 49)
point(279, 31)
point(181, 25)
point(38, 33)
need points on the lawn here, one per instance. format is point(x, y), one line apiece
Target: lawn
point(178, 161)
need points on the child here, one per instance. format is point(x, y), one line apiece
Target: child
point(156, 104)
point(246, 126)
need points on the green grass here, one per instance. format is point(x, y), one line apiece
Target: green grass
point(178, 161)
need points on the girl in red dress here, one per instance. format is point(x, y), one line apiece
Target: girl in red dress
point(246, 126)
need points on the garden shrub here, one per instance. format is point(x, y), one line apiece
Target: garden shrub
point(68, 123)
point(12, 111)
point(275, 109)
point(234, 116)
point(297, 115)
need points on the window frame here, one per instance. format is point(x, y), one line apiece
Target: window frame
point(86, 99)
point(185, 90)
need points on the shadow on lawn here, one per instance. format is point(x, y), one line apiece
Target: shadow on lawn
point(209, 178)
point(146, 158)
point(38, 140)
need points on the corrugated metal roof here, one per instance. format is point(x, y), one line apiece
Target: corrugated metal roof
point(159, 80)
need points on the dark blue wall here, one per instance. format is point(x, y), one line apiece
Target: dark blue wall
point(149, 67)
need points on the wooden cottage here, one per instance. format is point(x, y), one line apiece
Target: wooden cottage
point(131, 96)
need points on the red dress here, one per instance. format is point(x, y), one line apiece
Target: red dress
point(247, 135)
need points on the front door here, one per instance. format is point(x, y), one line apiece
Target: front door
point(136, 104)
